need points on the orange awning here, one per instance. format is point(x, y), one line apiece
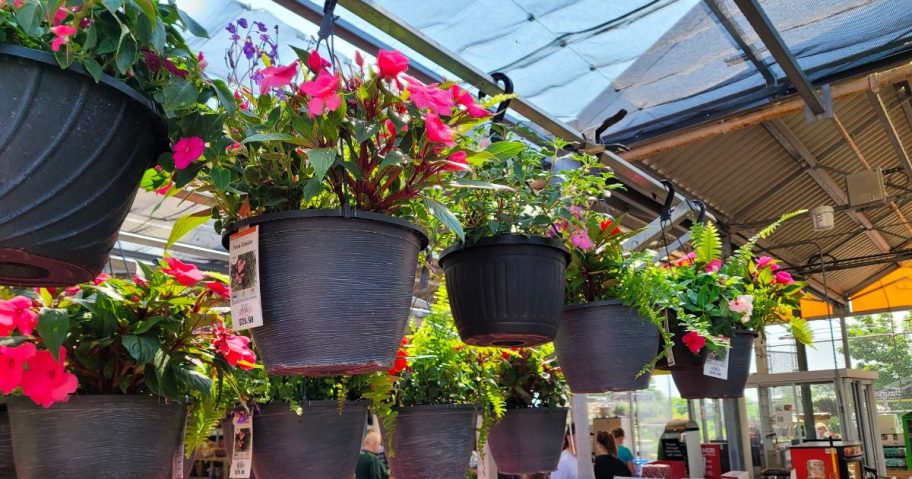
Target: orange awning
point(893, 292)
point(813, 307)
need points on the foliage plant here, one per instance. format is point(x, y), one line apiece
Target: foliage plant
point(435, 367)
point(717, 297)
point(139, 42)
point(530, 377)
point(160, 333)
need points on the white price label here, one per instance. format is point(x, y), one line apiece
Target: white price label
point(716, 364)
point(244, 272)
point(242, 456)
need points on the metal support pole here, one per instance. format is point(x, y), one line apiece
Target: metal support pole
point(738, 440)
point(580, 415)
point(807, 403)
point(845, 342)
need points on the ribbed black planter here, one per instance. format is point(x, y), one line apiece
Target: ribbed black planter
point(692, 384)
point(601, 346)
point(102, 436)
point(7, 466)
point(684, 359)
point(72, 154)
point(323, 441)
point(507, 290)
point(527, 441)
point(336, 291)
point(432, 442)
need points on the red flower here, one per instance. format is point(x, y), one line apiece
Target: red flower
point(101, 278)
point(187, 150)
point(694, 341)
point(277, 77)
point(604, 225)
point(72, 290)
point(219, 288)
point(45, 381)
point(437, 131)
point(401, 363)
point(11, 361)
point(391, 63)
point(185, 274)
point(235, 349)
point(324, 93)
point(316, 63)
point(457, 162)
point(17, 313)
point(687, 260)
point(164, 189)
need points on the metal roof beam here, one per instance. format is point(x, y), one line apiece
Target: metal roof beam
point(177, 247)
point(770, 37)
point(735, 35)
point(889, 128)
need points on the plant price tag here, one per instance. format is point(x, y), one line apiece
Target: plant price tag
point(716, 364)
point(244, 272)
point(241, 459)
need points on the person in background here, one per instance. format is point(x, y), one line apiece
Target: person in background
point(607, 464)
point(369, 465)
point(823, 432)
point(623, 454)
point(567, 468)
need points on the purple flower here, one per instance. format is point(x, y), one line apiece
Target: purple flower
point(235, 37)
point(260, 26)
point(264, 37)
point(281, 94)
point(231, 28)
point(242, 22)
point(256, 77)
point(249, 50)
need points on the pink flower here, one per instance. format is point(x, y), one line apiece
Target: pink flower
point(17, 313)
point(437, 131)
point(164, 189)
point(59, 16)
point(63, 33)
point(201, 61)
point(187, 150)
point(744, 304)
point(465, 99)
point(359, 59)
point(391, 63)
point(765, 261)
point(580, 239)
point(437, 100)
point(233, 147)
point(324, 92)
point(185, 274)
point(235, 349)
point(140, 281)
point(219, 288)
point(101, 278)
point(576, 211)
point(277, 77)
point(72, 290)
point(11, 362)
point(714, 266)
point(457, 162)
point(694, 341)
point(783, 277)
point(687, 260)
point(45, 381)
point(316, 63)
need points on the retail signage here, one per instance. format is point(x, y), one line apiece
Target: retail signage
point(242, 457)
point(716, 364)
point(244, 272)
point(712, 460)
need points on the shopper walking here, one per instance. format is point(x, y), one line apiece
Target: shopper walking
point(607, 464)
point(624, 454)
point(369, 464)
point(567, 468)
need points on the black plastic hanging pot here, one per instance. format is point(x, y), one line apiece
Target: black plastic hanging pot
point(336, 290)
point(432, 442)
point(72, 154)
point(323, 442)
point(602, 346)
point(693, 384)
point(97, 436)
point(7, 466)
point(683, 357)
point(506, 290)
point(527, 441)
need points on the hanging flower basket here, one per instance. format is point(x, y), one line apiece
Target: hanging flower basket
point(96, 436)
point(506, 290)
point(65, 186)
point(432, 442)
point(7, 467)
point(527, 441)
point(324, 440)
point(683, 357)
point(693, 384)
point(336, 291)
point(602, 346)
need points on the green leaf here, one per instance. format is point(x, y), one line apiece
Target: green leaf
point(91, 38)
point(112, 5)
point(365, 129)
point(146, 324)
point(446, 217)
point(506, 149)
point(53, 326)
point(706, 242)
point(226, 98)
point(190, 23)
point(220, 177)
point(272, 137)
point(313, 188)
point(29, 18)
point(479, 158)
point(148, 9)
point(193, 378)
point(484, 185)
point(94, 69)
point(179, 94)
point(141, 348)
point(321, 159)
point(801, 330)
point(126, 54)
point(394, 157)
point(186, 224)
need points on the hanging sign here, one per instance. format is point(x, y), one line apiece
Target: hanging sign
point(242, 456)
point(716, 364)
point(244, 272)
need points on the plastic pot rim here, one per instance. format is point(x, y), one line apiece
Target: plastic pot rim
point(505, 240)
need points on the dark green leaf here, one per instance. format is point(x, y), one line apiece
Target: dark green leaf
point(146, 324)
point(94, 69)
point(91, 38)
point(446, 217)
point(505, 149)
point(112, 5)
point(190, 23)
point(141, 348)
point(53, 326)
point(220, 177)
point(394, 157)
point(186, 224)
point(126, 54)
point(272, 137)
point(302, 54)
point(226, 98)
point(148, 9)
point(321, 159)
point(194, 379)
point(365, 129)
point(29, 18)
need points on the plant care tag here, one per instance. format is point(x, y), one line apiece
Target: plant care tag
point(242, 457)
point(244, 270)
point(716, 364)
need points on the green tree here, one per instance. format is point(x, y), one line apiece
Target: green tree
point(878, 343)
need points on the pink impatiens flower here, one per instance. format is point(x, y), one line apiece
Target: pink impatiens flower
point(437, 131)
point(466, 99)
point(457, 162)
point(783, 277)
point(324, 93)
point(17, 313)
point(766, 261)
point(316, 63)
point(580, 238)
point(235, 349)
point(391, 63)
point(219, 288)
point(694, 341)
point(185, 274)
point(45, 381)
point(430, 97)
point(140, 281)
point(101, 278)
point(201, 61)
point(164, 189)
point(714, 266)
point(687, 260)
point(187, 150)
point(59, 16)
point(11, 362)
point(277, 77)
point(63, 34)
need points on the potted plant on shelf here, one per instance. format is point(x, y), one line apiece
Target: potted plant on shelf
point(332, 167)
point(724, 305)
point(610, 329)
point(109, 365)
point(506, 279)
point(90, 93)
point(438, 387)
point(529, 437)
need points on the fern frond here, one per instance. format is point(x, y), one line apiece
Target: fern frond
point(707, 243)
point(801, 330)
point(744, 253)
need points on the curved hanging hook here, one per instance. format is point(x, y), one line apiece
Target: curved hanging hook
point(701, 216)
point(507, 88)
point(666, 208)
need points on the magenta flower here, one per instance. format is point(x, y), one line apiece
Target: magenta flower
point(324, 92)
point(187, 150)
point(235, 349)
point(694, 341)
point(316, 63)
point(277, 77)
point(59, 16)
point(63, 33)
point(437, 131)
point(140, 281)
point(164, 189)
point(430, 97)
point(783, 278)
point(219, 288)
point(101, 278)
point(391, 63)
point(687, 260)
point(11, 362)
point(17, 313)
point(185, 273)
point(766, 261)
point(457, 162)
point(201, 61)
point(714, 266)
point(45, 381)
point(466, 99)
point(580, 239)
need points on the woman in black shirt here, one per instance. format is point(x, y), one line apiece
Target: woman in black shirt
point(607, 464)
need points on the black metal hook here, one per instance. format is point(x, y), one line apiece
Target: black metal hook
point(507, 88)
point(328, 23)
point(702, 207)
point(666, 208)
point(611, 120)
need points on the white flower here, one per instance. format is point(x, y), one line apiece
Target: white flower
point(743, 304)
